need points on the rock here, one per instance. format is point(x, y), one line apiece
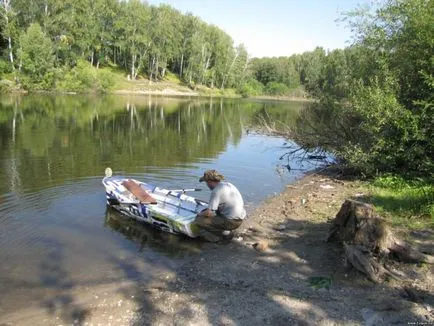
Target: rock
point(261, 246)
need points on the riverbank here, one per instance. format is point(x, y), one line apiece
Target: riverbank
point(273, 283)
point(171, 86)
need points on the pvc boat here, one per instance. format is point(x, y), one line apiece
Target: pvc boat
point(168, 210)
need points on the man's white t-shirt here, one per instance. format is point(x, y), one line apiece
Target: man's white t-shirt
point(227, 200)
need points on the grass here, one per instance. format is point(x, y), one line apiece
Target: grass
point(171, 82)
point(206, 91)
point(405, 202)
point(171, 77)
point(113, 78)
point(320, 282)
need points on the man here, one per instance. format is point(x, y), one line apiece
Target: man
point(225, 210)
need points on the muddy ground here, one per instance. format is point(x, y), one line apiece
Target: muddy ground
point(293, 277)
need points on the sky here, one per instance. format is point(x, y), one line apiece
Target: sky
point(275, 27)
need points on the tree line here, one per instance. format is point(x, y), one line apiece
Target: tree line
point(44, 40)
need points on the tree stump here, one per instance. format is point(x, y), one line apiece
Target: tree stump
point(367, 239)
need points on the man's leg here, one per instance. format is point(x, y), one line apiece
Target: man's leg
point(211, 228)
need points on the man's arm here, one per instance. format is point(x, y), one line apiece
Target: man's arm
point(212, 205)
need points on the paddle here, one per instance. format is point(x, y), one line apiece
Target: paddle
point(185, 190)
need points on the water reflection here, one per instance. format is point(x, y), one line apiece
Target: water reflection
point(146, 237)
point(47, 140)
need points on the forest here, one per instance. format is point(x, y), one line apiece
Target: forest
point(50, 44)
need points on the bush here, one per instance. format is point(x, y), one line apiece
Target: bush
point(251, 88)
point(80, 78)
point(35, 55)
point(5, 67)
point(274, 88)
point(106, 80)
point(372, 132)
point(49, 80)
point(387, 132)
point(86, 78)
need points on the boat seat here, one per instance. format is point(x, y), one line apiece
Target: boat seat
point(139, 192)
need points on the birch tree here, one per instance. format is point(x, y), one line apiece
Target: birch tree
point(7, 16)
point(133, 26)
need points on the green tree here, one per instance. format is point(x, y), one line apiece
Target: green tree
point(311, 66)
point(35, 54)
point(378, 94)
point(133, 31)
point(164, 36)
point(8, 28)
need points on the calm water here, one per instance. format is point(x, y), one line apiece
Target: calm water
point(55, 231)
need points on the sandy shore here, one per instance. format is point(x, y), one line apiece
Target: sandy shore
point(163, 92)
point(272, 284)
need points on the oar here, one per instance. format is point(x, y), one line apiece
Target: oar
point(185, 190)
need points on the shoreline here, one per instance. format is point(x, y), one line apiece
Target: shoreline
point(168, 91)
point(239, 284)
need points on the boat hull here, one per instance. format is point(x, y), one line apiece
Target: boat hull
point(173, 211)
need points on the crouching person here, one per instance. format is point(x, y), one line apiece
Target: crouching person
point(225, 211)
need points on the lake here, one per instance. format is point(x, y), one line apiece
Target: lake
point(56, 233)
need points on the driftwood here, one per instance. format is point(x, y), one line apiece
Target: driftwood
point(368, 240)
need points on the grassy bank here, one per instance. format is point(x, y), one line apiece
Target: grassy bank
point(86, 79)
point(406, 203)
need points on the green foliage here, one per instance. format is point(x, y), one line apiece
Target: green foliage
point(106, 80)
point(251, 88)
point(386, 130)
point(80, 78)
point(85, 78)
point(5, 67)
point(376, 108)
point(282, 70)
point(276, 89)
point(310, 69)
point(408, 202)
point(36, 57)
point(320, 282)
point(139, 38)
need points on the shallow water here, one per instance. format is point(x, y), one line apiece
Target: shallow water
point(56, 233)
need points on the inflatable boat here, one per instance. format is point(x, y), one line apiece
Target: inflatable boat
point(168, 210)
